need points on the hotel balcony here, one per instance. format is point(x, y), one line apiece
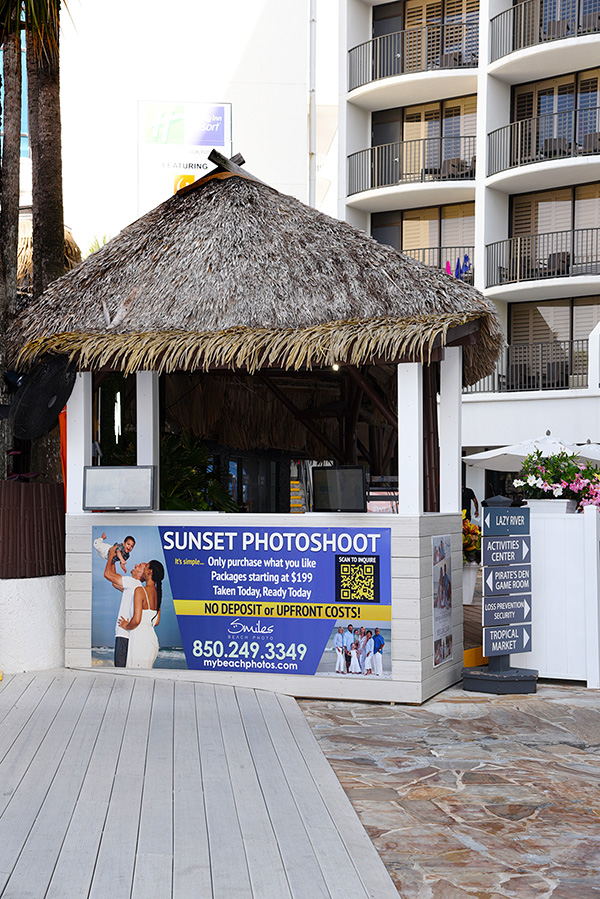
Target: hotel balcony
point(552, 260)
point(456, 261)
point(529, 37)
point(562, 135)
point(441, 60)
point(399, 171)
point(556, 365)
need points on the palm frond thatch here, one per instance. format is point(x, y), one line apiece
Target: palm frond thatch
point(25, 253)
point(233, 273)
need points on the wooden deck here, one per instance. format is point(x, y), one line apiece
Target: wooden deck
point(121, 786)
point(472, 627)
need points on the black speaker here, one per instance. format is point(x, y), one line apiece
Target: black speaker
point(39, 400)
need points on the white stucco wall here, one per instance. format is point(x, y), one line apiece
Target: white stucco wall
point(32, 623)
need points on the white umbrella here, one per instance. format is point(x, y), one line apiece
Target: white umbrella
point(510, 458)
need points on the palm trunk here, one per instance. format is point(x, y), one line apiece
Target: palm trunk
point(43, 86)
point(11, 158)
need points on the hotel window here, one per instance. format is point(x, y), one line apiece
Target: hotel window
point(432, 235)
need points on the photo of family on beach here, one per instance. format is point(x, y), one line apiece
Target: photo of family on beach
point(360, 649)
point(133, 619)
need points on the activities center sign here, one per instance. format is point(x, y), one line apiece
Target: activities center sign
point(271, 599)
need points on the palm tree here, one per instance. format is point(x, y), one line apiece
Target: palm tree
point(40, 20)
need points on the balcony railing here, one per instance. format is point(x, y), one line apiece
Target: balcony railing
point(556, 365)
point(457, 261)
point(450, 46)
point(534, 256)
point(428, 159)
point(535, 22)
point(556, 136)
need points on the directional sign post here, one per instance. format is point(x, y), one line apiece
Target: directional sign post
point(506, 608)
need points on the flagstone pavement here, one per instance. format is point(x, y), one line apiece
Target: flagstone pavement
point(472, 795)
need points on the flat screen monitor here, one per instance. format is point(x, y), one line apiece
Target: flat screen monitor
point(118, 488)
point(339, 489)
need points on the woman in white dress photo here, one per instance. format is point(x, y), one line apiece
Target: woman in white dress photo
point(143, 642)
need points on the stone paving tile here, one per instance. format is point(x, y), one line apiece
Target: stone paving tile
point(470, 795)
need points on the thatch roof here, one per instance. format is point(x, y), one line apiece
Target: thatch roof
point(231, 273)
point(25, 253)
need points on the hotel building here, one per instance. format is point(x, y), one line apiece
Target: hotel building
point(470, 139)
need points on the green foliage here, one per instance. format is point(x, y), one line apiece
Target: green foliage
point(40, 18)
point(561, 476)
point(97, 243)
point(187, 482)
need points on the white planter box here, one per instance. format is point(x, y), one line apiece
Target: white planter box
point(565, 635)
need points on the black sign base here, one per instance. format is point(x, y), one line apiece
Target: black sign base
point(499, 678)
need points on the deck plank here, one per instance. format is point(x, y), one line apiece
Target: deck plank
point(191, 862)
point(35, 865)
point(329, 848)
point(24, 802)
point(154, 860)
point(11, 689)
point(360, 848)
point(304, 874)
point(25, 704)
point(267, 872)
point(136, 787)
point(113, 875)
point(229, 870)
point(77, 858)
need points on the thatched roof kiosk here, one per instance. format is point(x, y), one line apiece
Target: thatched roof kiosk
point(246, 301)
point(228, 276)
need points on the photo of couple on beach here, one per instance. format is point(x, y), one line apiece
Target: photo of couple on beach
point(133, 619)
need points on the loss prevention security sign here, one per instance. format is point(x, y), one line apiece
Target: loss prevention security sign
point(271, 600)
point(260, 599)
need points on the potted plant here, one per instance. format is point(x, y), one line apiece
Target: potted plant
point(561, 477)
point(471, 558)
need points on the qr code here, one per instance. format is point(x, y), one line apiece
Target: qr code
point(357, 579)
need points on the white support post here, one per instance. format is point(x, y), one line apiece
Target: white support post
point(410, 438)
point(79, 440)
point(594, 358)
point(450, 429)
point(148, 427)
point(591, 557)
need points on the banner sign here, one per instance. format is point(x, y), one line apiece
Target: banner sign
point(441, 550)
point(174, 142)
point(280, 600)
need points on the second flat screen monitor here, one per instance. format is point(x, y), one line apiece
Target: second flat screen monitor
point(339, 489)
